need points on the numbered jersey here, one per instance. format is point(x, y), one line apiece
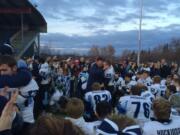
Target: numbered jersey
point(148, 95)
point(148, 81)
point(136, 107)
point(82, 79)
point(94, 97)
point(109, 74)
point(158, 90)
point(167, 128)
point(119, 83)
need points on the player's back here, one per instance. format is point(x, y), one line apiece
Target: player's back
point(94, 97)
point(148, 81)
point(148, 95)
point(158, 90)
point(136, 107)
point(171, 127)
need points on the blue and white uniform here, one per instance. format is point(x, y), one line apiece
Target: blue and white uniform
point(136, 107)
point(171, 127)
point(94, 97)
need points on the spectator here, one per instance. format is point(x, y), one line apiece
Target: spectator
point(165, 69)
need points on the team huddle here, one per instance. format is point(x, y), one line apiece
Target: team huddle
point(96, 97)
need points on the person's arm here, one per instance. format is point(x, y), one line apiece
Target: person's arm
point(22, 78)
point(121, 107)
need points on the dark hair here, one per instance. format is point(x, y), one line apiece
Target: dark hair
point(103, 109)
point(9, 60)
point(139, 73)
point(146, 72)
point(42, 60)
point(137, 89)
point(63, 102)
point(172, 89)
point(129, 75)
point(108, 62)
point(157, 79)
point(99, 59)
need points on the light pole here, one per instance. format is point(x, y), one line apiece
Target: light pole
point(140, 34)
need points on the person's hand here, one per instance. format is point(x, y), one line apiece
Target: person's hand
point(9, 110)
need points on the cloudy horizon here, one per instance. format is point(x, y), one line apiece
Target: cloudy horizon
point(83, 23)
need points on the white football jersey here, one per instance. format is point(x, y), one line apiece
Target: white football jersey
point(131, 84)
point(93, 126)
point(148, 95)
point(55, 97)
point(158, 90)
point(136, 107)
point(132, 130)
point(166, 128)
point(109, 73)
point(141, 81)
point(148, 81)
point(26, 94)
point(94, 97)
point(120, 83)
point(174, 112)
point(44, 71)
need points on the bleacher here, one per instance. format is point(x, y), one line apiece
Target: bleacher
point(21, 46)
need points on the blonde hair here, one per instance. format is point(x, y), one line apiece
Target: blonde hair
point(96, 86)
point(75, 108)
point(175, 101)
point(162, 108)
point(157, 79)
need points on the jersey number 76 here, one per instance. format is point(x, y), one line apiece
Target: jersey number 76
point(146, 108)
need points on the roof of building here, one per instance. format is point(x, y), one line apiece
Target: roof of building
point(12, 12)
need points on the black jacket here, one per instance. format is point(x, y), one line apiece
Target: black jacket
point(96, 74)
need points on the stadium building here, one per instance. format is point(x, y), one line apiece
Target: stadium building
point(20, 25)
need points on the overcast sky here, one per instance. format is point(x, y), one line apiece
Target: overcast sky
point(83, 23)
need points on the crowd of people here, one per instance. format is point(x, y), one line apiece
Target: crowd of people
point(82, 96)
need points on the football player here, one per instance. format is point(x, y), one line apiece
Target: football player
point(162, 124)
point(92, 98)
point(157, 89)
point(135, 106)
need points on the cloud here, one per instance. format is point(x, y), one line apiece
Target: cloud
point(82, 23)
point(120, 40)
